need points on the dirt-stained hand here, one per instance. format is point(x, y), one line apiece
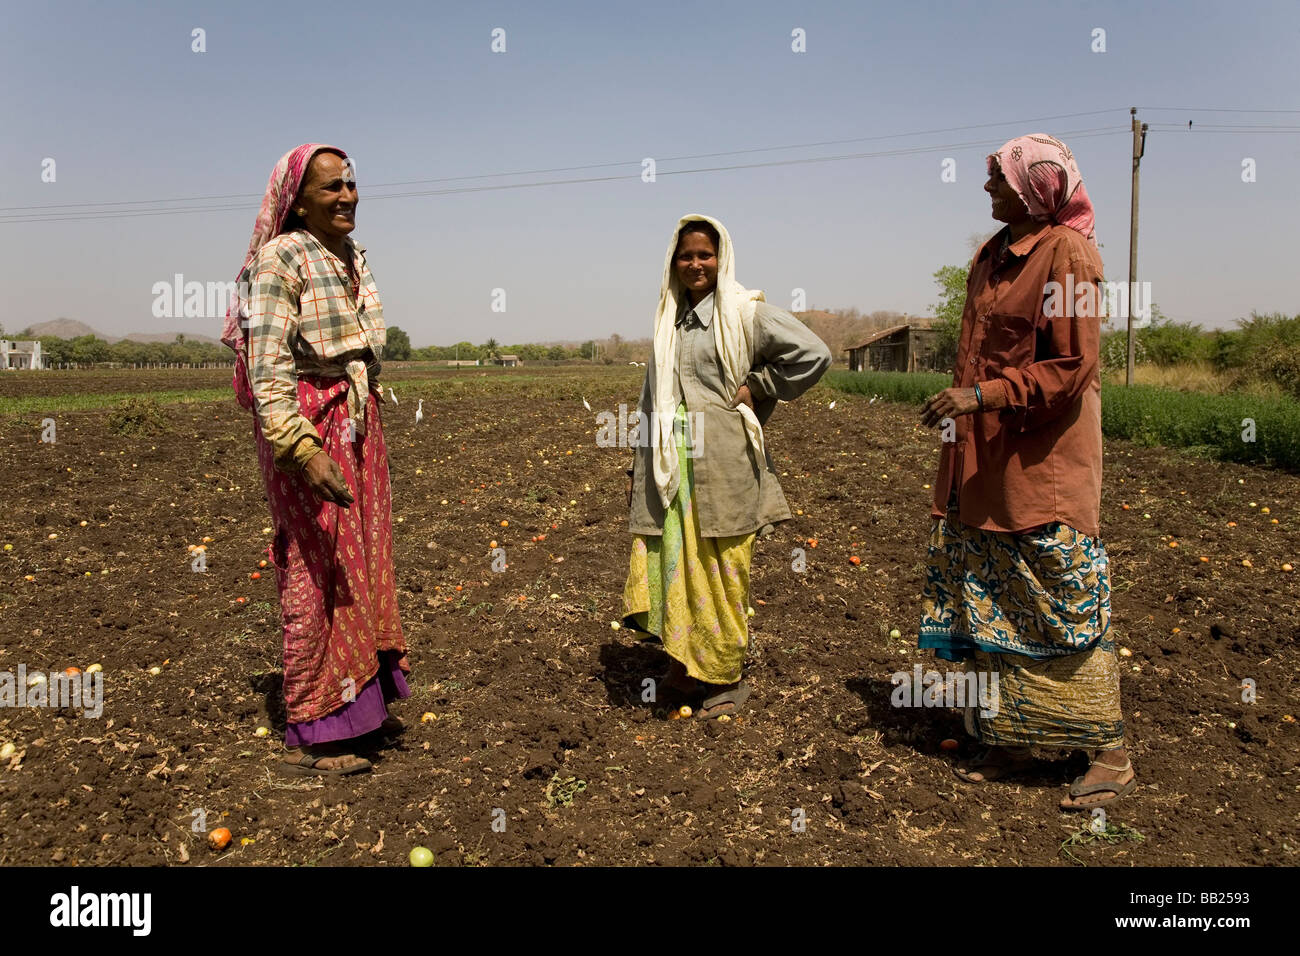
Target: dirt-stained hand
point(325, 478)
point(949, 403)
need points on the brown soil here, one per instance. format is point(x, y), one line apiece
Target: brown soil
point(530, 689)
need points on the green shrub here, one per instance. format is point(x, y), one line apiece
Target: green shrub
point(137, 416)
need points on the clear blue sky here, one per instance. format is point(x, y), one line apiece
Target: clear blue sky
point(113, 93)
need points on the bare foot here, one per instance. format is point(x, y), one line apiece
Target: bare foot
point(994, 764)
point(677, 679)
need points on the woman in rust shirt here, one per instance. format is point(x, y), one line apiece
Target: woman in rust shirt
point(1018, 582)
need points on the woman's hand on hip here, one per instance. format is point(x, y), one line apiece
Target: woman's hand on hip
point(949, 403)
point(743, 398)
point(325, 478)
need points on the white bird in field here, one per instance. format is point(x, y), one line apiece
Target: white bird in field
point(419, 413)
point(873, 399)
point(831, 405)
point(585, 403)
point(392, 394)
point(632, 363)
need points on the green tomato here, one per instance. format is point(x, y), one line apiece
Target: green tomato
point(421, 856)
point(895, 634)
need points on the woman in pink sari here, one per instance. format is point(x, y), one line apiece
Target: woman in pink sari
point(308, 333)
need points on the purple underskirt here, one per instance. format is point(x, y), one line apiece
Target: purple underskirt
point(362, 715)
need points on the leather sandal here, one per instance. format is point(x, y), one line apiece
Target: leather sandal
point(1114, 787)
point(728, 701)
point(307, 764)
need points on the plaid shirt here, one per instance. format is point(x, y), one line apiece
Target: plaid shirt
point(305, 317)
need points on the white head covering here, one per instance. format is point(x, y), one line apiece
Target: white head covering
point(733, 332)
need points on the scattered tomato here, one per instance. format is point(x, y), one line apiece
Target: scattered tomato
point(256, 576)
point(219, 839)
point(421, 856)
point(854, 560)
point(949, 744)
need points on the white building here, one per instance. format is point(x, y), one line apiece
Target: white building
point(20, 354)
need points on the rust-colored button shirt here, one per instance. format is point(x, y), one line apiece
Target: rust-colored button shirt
point(1033, 457)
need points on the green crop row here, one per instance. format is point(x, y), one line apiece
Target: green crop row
point(1233, 427)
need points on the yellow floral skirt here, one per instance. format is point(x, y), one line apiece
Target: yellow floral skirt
point(690, 591)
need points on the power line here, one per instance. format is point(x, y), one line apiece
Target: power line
point(1207, 109)
point(567, 169)
point(499, 187)
point(1225, 128)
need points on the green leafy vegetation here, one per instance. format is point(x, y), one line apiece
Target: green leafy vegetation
point(138, 415)
point(1214, 425)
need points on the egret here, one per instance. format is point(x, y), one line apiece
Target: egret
point(392, 394)
point(585, 403)
point(419, 412)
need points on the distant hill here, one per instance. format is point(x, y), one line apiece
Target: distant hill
point(71, 328)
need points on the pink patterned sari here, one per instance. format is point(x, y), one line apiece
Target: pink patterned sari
point(334, 570)
point(344, 652)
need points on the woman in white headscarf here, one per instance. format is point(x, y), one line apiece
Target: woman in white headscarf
point(702, 484)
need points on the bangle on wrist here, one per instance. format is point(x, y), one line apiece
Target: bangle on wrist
point(979, 397)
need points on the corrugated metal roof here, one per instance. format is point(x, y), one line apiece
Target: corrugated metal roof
point(882, 334)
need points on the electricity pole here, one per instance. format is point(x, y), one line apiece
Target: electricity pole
point(1139, 147)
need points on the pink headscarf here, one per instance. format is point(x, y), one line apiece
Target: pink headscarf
point(281, 190)
point(1042, 171)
